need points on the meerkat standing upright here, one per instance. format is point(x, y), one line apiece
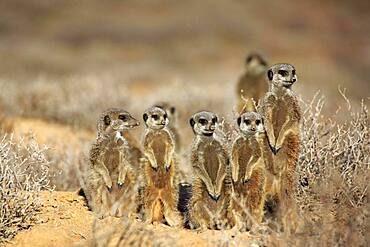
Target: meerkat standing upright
point(282, 116)
point(113, 171)
point(249, 169)
point(161, 190)
point(212, 181)
point(252, 85)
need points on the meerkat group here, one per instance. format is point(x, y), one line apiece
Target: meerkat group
point(231, 186)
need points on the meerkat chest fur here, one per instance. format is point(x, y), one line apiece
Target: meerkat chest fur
point(285, 107)
point(111, 154)
point(248, 147)
point(209, 151)
point(159, 143)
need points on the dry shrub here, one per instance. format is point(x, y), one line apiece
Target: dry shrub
point(24, 170)
point(333, 176)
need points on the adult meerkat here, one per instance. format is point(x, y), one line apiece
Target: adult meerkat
point(212, 181)
point(249, 169)
point(252, 85)
point(113, 172)
point(161, 189)
point(282, 116)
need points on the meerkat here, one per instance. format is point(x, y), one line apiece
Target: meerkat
point(113, 172)
point(212, 179)
point(252, 85)
point(248, 170)
point(161, 189)
point(282, 116)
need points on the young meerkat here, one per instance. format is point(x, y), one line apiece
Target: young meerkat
point(161, 189)
point(249, 170)
point(113, 172)
point(252, 85)
point(282, 116)
point(212, 179)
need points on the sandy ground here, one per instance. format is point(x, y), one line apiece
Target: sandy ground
point(66, 221)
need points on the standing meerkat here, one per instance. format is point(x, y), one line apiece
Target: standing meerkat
point(212, 181)
point(113, 172)
point(161, 190)
point(282, 116)
point(249, 170)
point(252, 85)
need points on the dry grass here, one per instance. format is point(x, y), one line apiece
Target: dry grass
point(24, 172)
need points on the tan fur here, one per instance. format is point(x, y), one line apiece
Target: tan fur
point(249, 183)
point(252, 84)
point(161, 190)
point(282, 116)
point(212, 178)
point(112, 178)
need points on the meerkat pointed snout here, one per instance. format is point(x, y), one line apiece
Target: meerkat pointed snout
point(155, 118)
point(204, 123)
point(282, 75)
point(250, 123)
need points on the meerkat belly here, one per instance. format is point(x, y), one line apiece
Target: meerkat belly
point(111, 161)
point(245, 155)
point(159, 149)
point(279, 116)
point(211, 162)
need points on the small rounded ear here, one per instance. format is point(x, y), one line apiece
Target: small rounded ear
point(172, 110)
point(145, 117)
point(192, 122)
point(239, 120)
point(270, 74)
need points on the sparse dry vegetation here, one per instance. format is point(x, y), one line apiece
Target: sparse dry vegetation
point(24, 171)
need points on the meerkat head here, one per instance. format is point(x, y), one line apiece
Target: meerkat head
point(117, 120)
point(282, 75)
point(250, 123)
point(255, 63)
point(170, 110)
point(155, 118)
point(204, 123)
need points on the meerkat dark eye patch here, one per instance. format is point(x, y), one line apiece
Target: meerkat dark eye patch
point(165, 116)
point(247, 121)
point(293, 72)
point(123, 117)
point(270, 74)
point(107, 120)
point(214, 120)
point(239, 120)
point(263, 62)
point(192, 122)
point(248, 59)
point(203, 121)
point(145, 117)
point(283, 72)
point(258, 122)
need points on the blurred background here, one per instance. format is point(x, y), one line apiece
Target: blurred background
point(64, 59)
